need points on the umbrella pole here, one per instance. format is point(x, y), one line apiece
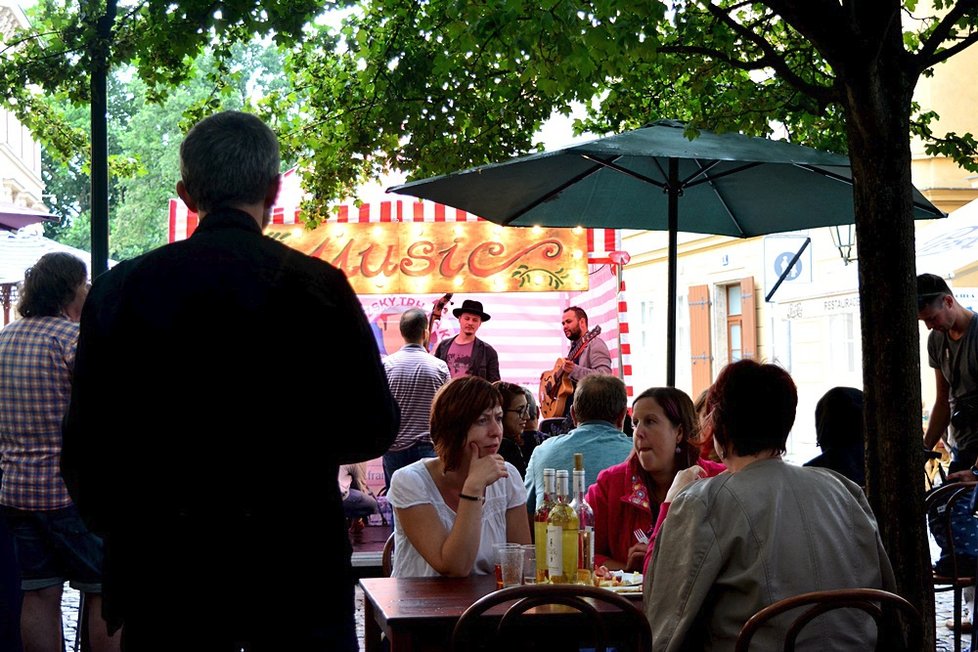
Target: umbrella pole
point(673, 189)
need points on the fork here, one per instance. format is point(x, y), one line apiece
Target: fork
point(641, 535)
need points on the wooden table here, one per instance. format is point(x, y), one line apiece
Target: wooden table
point(419, 613)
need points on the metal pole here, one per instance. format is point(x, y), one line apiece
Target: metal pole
point(100, 147)
point(674, 190)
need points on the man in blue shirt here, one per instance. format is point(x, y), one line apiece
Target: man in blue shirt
point(599, 410)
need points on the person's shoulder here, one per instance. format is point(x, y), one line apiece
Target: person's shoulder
point(613, 473)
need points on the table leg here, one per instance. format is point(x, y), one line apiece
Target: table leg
point(371, 629)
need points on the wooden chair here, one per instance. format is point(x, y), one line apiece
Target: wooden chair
point(935, 473)
point(387, 557)
point(874, 602)
point(943, 500)
point(596, 618)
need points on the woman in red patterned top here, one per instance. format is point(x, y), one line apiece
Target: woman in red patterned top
point(633, 495)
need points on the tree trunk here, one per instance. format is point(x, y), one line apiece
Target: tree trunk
point(878, 111)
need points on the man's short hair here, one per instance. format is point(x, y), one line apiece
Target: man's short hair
point(599, 397)
point(930, 289)
point(412, 324)
point(50, 285)
point(227, 159)
point(578, 312)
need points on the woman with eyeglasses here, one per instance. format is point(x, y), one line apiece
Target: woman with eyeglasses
point(449, 510)
point(515, 413)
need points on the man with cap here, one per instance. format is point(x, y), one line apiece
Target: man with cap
point(952, 349)
point(465, 354)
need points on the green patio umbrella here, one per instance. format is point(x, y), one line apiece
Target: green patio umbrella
point(655, 178)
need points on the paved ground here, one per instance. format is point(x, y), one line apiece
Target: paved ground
point(944, 605)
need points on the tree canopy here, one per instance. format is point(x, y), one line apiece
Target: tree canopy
point(430, 87)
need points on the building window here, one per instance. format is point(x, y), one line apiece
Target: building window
point(843, 345)
point(735, 323)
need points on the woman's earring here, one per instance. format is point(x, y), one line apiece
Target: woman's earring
point(679, 449)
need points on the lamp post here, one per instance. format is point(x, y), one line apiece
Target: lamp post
point(844, 239)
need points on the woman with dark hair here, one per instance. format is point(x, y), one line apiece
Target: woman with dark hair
point(449, 510)
point(839, 433)
point(633, 495)
point(761, 532)
point(515, 411)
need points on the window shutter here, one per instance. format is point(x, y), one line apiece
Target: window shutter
point(701, 351)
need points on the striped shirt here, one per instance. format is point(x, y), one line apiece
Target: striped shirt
point(414, 376)
point(37, 355)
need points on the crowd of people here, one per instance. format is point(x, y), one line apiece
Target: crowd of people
point(187, 528)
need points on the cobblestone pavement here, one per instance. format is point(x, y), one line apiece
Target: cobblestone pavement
point(944, 604)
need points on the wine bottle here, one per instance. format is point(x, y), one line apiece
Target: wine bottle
point(562, 536)
point(540, 523)
point(585, 525)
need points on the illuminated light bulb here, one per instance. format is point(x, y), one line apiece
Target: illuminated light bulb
point(296, 232)
point(538, 279)
point(497, 283)
point(457, 282)
point(377, 231)
point(339, 232)
point(458, 230)
point(537, 229)
point(578, 230)
point(577, 254)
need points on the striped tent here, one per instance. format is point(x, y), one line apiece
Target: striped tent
point(525, 326)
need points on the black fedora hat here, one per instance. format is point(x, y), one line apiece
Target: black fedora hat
point(475, 307)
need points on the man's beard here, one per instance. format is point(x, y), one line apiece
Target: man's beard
point(573, 336)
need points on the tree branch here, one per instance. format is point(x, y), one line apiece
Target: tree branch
point(928, 49)
point(771, 57)
point(947, 53)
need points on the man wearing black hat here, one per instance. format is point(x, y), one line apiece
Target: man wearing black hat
point(465, 354)
point(952, 350)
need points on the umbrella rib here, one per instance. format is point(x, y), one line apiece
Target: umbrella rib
point(617, 168)
point(553, 193)
point(716, 191)
point(703, 170)
point(710, 179)
point(842, 179)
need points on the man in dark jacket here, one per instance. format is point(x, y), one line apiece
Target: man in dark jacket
point(465, 354)
point(187, 445)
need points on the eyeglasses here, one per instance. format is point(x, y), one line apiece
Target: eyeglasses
point(523, 411)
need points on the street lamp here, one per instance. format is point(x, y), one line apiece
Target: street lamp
point(844, 239)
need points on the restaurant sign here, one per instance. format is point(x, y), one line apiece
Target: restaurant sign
point(431, 257)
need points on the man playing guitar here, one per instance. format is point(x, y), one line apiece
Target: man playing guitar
point(587, 355)
point(596, 359)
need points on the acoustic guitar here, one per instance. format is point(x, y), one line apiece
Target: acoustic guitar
point(556, 388)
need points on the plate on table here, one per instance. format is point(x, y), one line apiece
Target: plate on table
point(622, 582)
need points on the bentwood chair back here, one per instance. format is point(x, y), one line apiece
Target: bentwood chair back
point(597, 618)
point(387, 557)
point(945, 502)
point(875, 602)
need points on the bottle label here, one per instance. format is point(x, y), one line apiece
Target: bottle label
point(555, 557)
